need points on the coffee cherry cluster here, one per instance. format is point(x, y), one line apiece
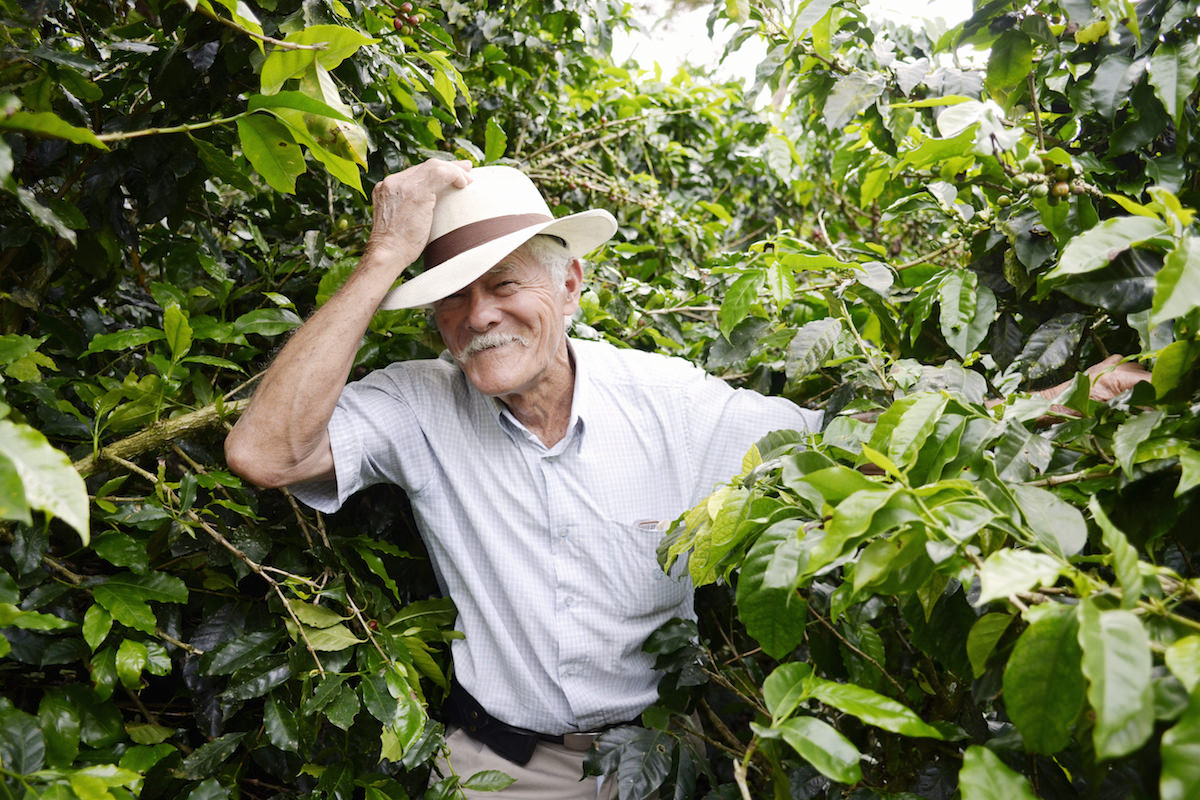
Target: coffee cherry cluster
point(1042, 177)
point(407, 19)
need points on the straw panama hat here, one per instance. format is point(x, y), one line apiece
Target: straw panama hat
point(476, 226)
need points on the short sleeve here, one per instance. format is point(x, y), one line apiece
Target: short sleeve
point(724, 423)
point(375, 434)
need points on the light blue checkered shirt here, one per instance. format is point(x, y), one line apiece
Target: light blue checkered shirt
point(549, 553)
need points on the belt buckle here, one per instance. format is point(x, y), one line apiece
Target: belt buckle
point(579, 742)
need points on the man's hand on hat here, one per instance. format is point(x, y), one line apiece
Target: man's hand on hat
point(404, 204)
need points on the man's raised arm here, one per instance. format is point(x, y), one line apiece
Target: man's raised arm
point(282, 438)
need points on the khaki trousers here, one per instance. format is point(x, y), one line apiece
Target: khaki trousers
point(553, 773)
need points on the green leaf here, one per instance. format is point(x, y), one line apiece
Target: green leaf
point(1173, 70)
point(767, 601)
point(298, 101)
point(872, 708)
point(12, 616)
point(1132, 433)
point(824, 747)
point(270, 149)
point(126, 606)
point(259, 681)
point(149, 734)
point(785, 688)
point(742, 295)
point(131, 660)
point(1124, 555)
point(1117, 663)
point(331, 639)
point(1044, 689)
point(488, 780)
point(49, 482)
point(1056, 524)
point(280, 724)
point(1180, 776)
point(267, 321)
point(97, 622)
point(124, 340)
point(59, 719)
point(208, 757)
point(177, 330)
point(495, 140)
point(1007, 571)
point(157, 586)
point(140, 759)
point(22, 746)
point(982, 640)
point(208, 789)
point(1052, 345)
point(1183, 659)
point(811, 346)
point(901, 431)
point(1010, 61)
point(1097, 247)
point(315, 616)
point(44, 123)
point(239, 652)
point(967, 311)
point(851, 94)
point(343, 708)
point(1110, 86)
point(1177, 285)
point(985, 777)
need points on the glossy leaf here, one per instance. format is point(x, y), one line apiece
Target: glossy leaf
point(1173, 70)
point(872, 708)
point(786, 687)
point(811, 346)
point(1097, 247)
point(1007, 572)
point(985, 777)
point(821, 745)
point(984, 636)
point(1176, 291)
point(1057, 525)
point(1044, 689)
point(767, 602)
point(1010, 61)
point(1124, 556)
point(48, 481)
point(1116, 661)
point(270, 148)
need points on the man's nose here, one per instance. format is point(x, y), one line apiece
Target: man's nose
point(483, 312)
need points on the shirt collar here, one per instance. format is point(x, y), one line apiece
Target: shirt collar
point(581, 402)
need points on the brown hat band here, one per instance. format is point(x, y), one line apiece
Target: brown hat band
point(460, 240)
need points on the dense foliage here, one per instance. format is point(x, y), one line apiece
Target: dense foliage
point(935, 597)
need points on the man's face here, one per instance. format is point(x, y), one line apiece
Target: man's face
point(506, 329)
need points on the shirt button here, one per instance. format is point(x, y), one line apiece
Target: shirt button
point(564, 533)
point(570, 601)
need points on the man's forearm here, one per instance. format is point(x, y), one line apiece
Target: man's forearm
point(281, 438)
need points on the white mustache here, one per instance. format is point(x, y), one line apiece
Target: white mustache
point(488, 340)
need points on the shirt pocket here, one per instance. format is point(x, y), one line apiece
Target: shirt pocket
point(643, 590)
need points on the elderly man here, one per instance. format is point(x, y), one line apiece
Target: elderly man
point(538, 466)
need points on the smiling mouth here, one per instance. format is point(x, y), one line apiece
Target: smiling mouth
point(489, 341)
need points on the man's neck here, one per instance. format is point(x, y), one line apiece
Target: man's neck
point(545, 409)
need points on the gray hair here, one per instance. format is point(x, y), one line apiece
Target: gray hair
point(551, 253)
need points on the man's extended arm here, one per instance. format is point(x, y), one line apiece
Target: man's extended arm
point(282, 438)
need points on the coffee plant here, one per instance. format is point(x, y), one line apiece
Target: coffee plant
point(960, 588)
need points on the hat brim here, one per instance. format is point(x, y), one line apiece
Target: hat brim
point(582, 232)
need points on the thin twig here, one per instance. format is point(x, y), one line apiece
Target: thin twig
point(838, 635)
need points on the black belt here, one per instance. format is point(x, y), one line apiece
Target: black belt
point(508, 741)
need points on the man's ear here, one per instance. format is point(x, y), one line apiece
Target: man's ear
point(573, 287)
